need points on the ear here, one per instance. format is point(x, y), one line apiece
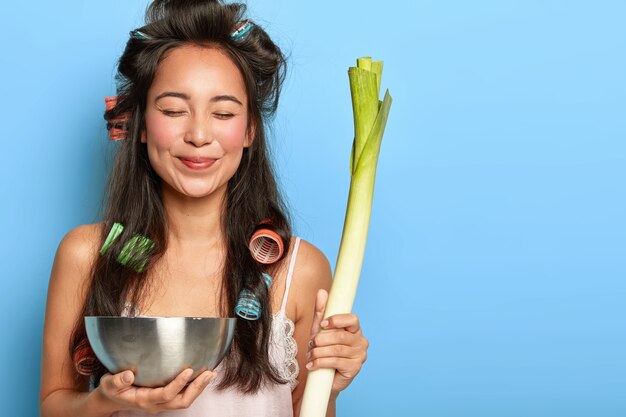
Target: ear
point(250, 134)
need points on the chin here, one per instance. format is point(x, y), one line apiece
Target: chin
point(202, 191)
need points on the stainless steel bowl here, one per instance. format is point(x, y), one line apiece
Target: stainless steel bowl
point(157, 349)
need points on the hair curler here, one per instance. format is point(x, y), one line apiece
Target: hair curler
point(266, 245)
point(117, 127)
point(85, 361)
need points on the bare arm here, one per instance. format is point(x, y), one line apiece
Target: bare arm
point(62, 391)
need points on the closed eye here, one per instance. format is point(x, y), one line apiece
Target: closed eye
point(172, 113)
point(223, 116)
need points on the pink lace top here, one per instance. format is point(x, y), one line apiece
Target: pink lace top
point(271, 401)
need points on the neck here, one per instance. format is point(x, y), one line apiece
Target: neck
point(194, 220)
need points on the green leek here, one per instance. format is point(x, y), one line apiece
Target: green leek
point(370, 118)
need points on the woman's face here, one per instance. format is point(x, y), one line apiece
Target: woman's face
point(196, 120)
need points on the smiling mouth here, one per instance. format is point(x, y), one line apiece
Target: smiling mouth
point(197, 163)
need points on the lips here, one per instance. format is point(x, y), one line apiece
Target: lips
point(197, 162)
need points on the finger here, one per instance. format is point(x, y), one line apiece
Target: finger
point(320, 305)
point(334, 351)
point(194, 389)
point(350, 322)
point(118, 382)
point(170, 391)
point(336, 337)
point(348, 368)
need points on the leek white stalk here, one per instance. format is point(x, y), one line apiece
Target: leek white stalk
point(370, 118)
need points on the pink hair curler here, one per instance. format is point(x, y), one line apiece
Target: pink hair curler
point(110, 102)
point(85, 361)
point(117, 126)
point(266, 245)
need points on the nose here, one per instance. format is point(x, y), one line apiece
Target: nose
point(199, 131)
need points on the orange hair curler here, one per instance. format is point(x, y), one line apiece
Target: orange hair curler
point(266, 245)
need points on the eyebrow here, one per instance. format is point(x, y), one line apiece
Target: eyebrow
point(226, 97)
point(171, 94)
point(215, 99)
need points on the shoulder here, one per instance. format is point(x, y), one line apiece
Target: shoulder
point(311, 262)
point(77, 252)
point(71, 270)
point(311, 273)
point(80, 245)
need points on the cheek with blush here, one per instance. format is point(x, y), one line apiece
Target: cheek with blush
point(232, 134)
point(161, 129)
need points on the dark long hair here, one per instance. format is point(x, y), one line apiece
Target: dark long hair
point(133, 195)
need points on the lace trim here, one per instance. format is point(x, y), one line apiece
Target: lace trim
point(285, 348)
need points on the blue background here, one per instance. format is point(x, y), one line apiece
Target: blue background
point(493, 283)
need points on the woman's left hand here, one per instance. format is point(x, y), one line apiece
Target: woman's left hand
point(336, 342)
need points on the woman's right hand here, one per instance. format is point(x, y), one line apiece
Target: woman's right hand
point(119, 390)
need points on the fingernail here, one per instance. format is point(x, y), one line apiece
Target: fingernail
point(126, 377)
point(325, 323)
point(188, 374)
point(207, 379)
point(309, 365)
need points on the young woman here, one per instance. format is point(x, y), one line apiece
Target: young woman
point(196, 85)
